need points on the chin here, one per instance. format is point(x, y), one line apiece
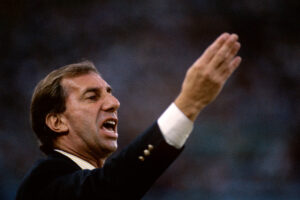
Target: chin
point(112, 148)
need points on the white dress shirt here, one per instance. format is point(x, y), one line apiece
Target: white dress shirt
point(174, 125)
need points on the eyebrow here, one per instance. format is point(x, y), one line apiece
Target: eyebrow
point(96, 90)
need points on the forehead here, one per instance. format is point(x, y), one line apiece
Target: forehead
point(82, 82)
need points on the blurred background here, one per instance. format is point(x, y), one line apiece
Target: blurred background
point(245, 145)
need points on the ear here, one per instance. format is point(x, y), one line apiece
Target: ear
point(56, 123)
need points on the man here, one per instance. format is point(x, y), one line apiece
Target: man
point(74, 115)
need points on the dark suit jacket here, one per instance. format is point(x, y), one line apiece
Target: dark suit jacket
point(123, 177)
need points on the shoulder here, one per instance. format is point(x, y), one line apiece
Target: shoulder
point(54, 163)
point(44, 171)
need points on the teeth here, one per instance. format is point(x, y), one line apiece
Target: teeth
point(111, 122)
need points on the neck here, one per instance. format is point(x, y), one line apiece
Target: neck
point(97, 162)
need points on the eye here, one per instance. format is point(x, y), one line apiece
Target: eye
point(92, 97)
point(91, 94)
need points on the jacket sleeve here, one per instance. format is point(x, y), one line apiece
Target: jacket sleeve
point(129, 175)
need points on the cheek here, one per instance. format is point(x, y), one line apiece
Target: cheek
point(82, 118)
point(80, 122)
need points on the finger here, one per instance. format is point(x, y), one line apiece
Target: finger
point(223, 52)
point(213, 49)
point(225, 65)
point(236, 47)
point(233, 65)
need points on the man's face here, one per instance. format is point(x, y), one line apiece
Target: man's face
point(91, 115)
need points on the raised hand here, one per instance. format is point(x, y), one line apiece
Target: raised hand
point(207, 76)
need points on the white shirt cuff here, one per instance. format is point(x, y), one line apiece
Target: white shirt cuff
point(175, 126)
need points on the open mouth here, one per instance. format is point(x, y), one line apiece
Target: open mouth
point(110, 125)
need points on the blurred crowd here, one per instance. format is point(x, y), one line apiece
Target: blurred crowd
point(245, 145)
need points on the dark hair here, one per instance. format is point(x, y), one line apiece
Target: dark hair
point(49, 97)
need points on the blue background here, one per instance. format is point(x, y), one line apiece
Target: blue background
point(245, 145)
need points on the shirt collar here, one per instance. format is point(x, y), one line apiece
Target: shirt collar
point(80, 162)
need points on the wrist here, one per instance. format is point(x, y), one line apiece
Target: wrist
point(190, 108)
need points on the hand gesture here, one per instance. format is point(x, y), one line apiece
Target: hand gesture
point(207, 76)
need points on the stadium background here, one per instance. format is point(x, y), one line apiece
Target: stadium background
point(245, 145)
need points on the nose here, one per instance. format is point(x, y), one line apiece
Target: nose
point(111, 103)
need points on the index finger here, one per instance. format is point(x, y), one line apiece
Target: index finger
point(214, 47)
